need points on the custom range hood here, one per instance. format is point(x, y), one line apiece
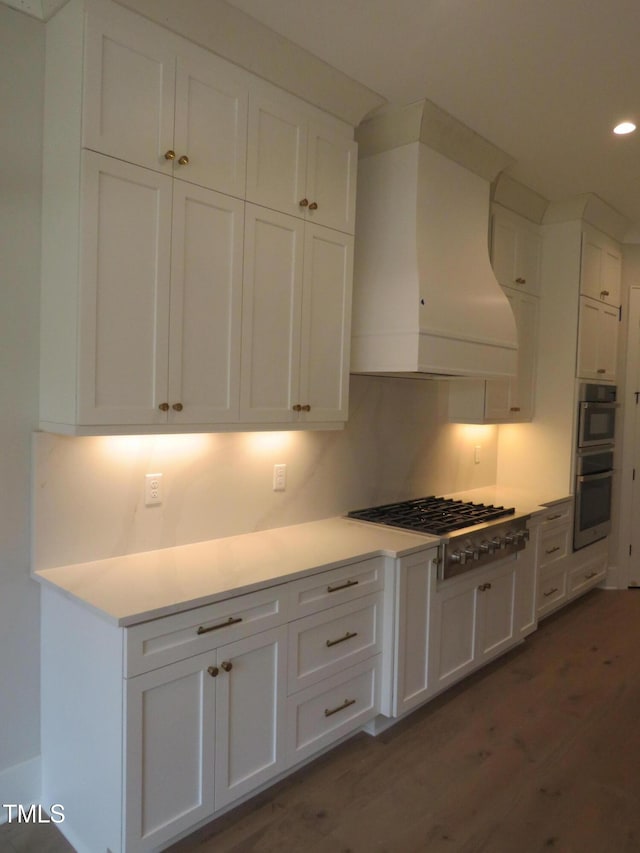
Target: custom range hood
point(426, 302)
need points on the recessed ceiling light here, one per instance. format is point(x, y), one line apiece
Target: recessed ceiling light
point(624, 127)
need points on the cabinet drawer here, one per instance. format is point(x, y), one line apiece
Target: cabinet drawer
point(585, 576)
point(554, 545)
point(329, 710)
point(552, 591)
point(337, 586)
point(172, 638)
point(327, 642)
point(557, 514)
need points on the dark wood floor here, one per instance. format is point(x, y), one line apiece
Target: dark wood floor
point(539, 751)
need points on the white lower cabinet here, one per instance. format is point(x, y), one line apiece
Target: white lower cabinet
point(473, 621)
point(446, 629)
point(201, 733)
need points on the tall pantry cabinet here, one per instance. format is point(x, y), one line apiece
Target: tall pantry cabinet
point(158, 312)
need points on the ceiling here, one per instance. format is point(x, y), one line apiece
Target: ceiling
point(544, 80)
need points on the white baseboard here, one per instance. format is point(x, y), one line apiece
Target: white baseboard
point(20, 784)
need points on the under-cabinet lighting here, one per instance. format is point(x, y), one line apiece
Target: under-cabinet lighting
point(268, 442)
point(624, 127)
point(173, 445)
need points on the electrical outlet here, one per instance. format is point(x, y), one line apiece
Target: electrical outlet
point(152, 489)
point(476, 454)
point(279, 478)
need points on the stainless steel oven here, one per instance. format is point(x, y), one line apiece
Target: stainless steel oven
point(594, 481)
point(596, 415)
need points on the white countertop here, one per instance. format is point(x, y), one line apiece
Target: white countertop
point(138, 587)
point(524, 500)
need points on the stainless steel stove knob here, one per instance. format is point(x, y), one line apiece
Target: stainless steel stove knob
point(472, 553)
point(458, 557)
point(498, 542)
point(487, 547)
point(510, 538)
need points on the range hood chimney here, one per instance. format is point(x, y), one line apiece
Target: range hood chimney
point(426, 302)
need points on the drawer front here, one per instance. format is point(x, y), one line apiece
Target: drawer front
point(172, 638)
point(583, 578)
point(552, 591)
point(327, 642)
point(337, 586)
point(554, 545)
point(331, 709)
point(557, 514)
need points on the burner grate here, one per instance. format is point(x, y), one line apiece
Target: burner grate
point(432, 514)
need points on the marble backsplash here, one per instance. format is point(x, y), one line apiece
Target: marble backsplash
point(88, 493)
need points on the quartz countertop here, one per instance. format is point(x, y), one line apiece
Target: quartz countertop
point(137, 587)
point(524, 500)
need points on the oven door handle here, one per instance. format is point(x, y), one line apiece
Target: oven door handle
point(593, 405)
point(588, 478)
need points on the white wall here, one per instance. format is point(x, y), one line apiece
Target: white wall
point(88, 496)
point(21, 69)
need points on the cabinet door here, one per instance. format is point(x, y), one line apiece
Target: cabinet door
point(525, 615)
point(522, 386)
point(129, 88)
point(326, 324)
point(271, 315)
point(210, 122)
point(169, 749)
point(600, 269)
point(453, 632)
point(206, 301)
point(412, 671)
point(331, 179)
point(276, 156)
point(250, 713)
point(515, 251)
point(608, 342)
point(588, 338)
point(124, 305)
point(496, 607)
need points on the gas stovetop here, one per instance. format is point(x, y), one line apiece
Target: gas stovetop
point(472, 534)
point(437, 516)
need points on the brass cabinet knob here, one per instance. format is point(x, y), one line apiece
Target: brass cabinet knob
point(305, 408)
point(304, 202)
point(521, 280)
point(226, 665)
point(164, 407)
point(601, 370)
point(514, 409)
point(213, 671)
point(313, 205)
point(169, 155)
point(604, 293)
point(184, 160)
point(297, 407)
point(177, 407)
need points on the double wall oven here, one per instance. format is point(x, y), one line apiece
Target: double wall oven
point(594, 463)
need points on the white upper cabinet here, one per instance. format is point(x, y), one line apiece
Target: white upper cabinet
point(296, 320)
point(160, 296)
point(600, 269)
point(158, 101)
point(154, 307)
point(515, 251)
point(597, 340)
point(300, 166)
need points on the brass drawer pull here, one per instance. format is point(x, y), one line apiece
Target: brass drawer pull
point(552, 550)
point(604, 293)
point(342, 586)
point(230, 621)
point(345, 704)
point(347, 636)
point(553, 517)
point(484, 587)
point(551, 591)
point(601, 370)
point(521, 280)
point(514, 409)
point(590, 575)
